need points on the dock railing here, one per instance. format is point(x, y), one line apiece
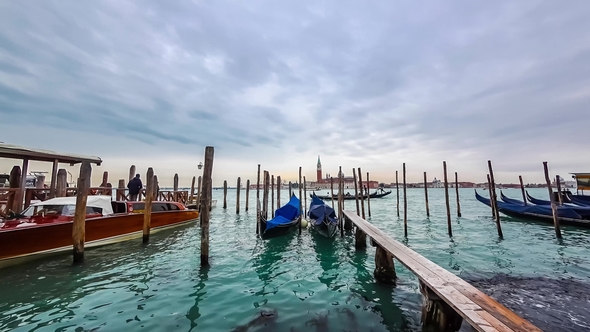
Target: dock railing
point(448, 298)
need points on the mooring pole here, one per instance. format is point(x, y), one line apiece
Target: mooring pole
point(200, 187)
point(356, 192)
point(305, 196)
point(206, 211)
point(553, 205)
point(265, 183)
point(272, 196)
point(397, 192)
point(426, 195)
point(239, 184)
point(495, 201)
point(278, 191)
point(522, 189)
point(224, 194)
point(258, 201)
point(247, 194)
point(491, 197)
point(558, 179)
point(405, 203)
point(457, 193)
point(79, 224)
point(341, 200)
point(290, 190)
point(300, 200)
point(447, 199)
point(147, 209)
point(192, 195)
point(332, 191)
point(360, 174)
point(368, 196)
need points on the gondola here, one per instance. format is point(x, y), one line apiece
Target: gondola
point(544, 213)
point(286, 220)
point(348, 196)
point(323, 218)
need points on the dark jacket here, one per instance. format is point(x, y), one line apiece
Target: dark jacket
point(134, 186)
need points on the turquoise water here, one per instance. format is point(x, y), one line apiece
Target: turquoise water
point(313, 283)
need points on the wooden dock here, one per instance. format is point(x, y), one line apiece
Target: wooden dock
point(448, 298)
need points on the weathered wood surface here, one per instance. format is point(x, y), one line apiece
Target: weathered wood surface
point(426, 195)
point(147, 212)
point(457, 194)
point(247, 194)
point(449, 227)
point(482, 312)
point(405, 203)
point(495, 201)
point(79, 223)
point(238, 186)
point(552, 199)
point(206, 204)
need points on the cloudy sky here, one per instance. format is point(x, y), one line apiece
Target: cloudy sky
point(376, 84)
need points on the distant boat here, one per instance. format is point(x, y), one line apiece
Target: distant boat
point(377, 194)
point(566, 214)
point(286, 220)
point(323, 218)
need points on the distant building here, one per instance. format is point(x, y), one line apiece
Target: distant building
point(325, 183)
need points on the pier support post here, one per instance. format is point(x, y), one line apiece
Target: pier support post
point(258, 201)
point(426, 195)
point(79, 224)
point(384, 268)
point(360, 238)
point(247, 194)
point(14, 182)
point(522, 189)
point(272, 196)
point(457, 193)
point(437, 315)
point(450, 230)
point(147, 210)
point(360, 175)
point(224, 194)
point(552, 199)
point(238, 195)
point(356, 193)
point(62, 181)
point(405, 203)
point(397, 192)
point(495, 201)
point(206, 205)
point(368, 196)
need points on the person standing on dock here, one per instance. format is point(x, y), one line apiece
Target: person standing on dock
point(134, 187)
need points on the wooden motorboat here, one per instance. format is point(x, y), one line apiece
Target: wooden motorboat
point(46, 227)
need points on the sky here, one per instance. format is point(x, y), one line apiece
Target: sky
point(362, 84)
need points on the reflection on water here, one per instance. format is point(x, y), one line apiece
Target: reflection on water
point(299, 283)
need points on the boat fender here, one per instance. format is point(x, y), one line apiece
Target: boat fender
point(304, 223)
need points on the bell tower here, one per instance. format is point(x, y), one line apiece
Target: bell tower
point(319, 171)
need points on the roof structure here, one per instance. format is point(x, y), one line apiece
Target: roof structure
point(20, 152)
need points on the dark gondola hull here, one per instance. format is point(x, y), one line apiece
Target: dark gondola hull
point(538, 213)
point(328, 230)
point(351, 197)
point(281, 230)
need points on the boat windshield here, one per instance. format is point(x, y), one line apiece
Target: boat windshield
point(64, 210)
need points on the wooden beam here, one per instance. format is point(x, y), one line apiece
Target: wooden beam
point(192, 195)
point(14, 182)
point(206, 211)
point(332, 191)
point(278, 191)
point(62, 182)
point(53, 185)
point(79, 223)
point(552, 199)
point(23, 184)
point(147, 210)
point(495, 201)
point(397, 192)
point(356, 194)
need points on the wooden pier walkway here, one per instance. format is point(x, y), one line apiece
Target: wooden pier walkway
point(481, 311)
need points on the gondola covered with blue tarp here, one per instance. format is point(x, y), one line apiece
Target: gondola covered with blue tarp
point(286, 219)
point(322, 216)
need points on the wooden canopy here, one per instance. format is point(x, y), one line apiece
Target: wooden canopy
point(19, 152)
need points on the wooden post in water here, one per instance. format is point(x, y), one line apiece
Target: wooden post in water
point(121, 190)
point(265, 181)
point(405, 203)
point(199, 196)
point(14, 182)
point(426, 195)
point(20, 195)
point(495, 201)
point(278, 191)
point(552, 198)
point(360, 174)
point(397, 192)
point(522, 189)
point(131, 173)
point(272, 196)
point(156, 188)
point(332, 191)
point(290, 190)
point(300, 200)
point(437, 315)
point(491, 197)
point(341, 202)
point(62, 181)
point(105, 180)
point(258, 201)
point(304, 196)
point(147, 210)
point(52, 187)
point(175, 194)
point(558, 179)
point(356, 192)
point(247, 194)
point(368, 196)
point(192, 195)
point(224, 194)
point(450, 230)
point(384, 268)
point(79, 224)
point(457, 194)
point(206, 204)
point(239, 184)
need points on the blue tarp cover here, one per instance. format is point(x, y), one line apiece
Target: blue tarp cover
point(564, 212)
point(285, 214)
point(318, 210)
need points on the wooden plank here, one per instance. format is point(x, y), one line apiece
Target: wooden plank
point(480, 310)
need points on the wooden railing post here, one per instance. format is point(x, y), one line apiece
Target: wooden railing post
point(384, 268)
point(62, 180)
point(79, 224)
point(437, 315)
point(105, 180)
point(121, 190)
point(52, 191)
point(147, 210)
point(131, 173)
point(206, 199)
point(175, 194)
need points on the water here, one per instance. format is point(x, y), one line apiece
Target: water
point(304, 283)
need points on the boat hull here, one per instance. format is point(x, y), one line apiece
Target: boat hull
point(22, 244)
point(279, 230)
point(328, 230)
